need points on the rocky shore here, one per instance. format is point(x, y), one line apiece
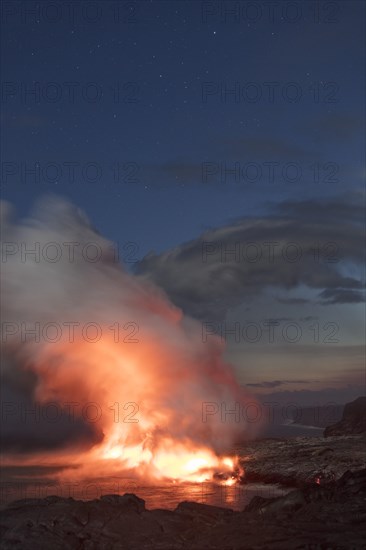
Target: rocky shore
point(332, 516)
point(353, 420)
point(299, 461)
point(327, 510)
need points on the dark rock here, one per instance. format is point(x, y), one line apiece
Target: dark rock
point(128, 501)
point(318, 416)
point(322, 451)
point(317, 517)
point(288, 503)
point(303, 460)
point(257, 503)
point(353, 420)
point(203, 512)
point(356, 480)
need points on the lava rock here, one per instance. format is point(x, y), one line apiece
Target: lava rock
point(299, 461)
point(353, 419)
point(128, 501)
point(274, 506)
point(330, 517)
point(203, 512)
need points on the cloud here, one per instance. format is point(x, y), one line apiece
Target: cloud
point(325, 397)
point(292, 301)
point(309, 318)
point(304, 243)
point(341, 296)
point(348, 208)
point(276, 383)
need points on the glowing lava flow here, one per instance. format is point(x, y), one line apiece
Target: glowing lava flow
point(155, 430)
point(174, 462)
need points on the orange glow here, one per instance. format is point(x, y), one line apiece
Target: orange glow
point(148, 426)
point(141, 392)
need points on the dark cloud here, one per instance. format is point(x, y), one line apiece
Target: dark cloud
point(353, 355)
point(276, 383)
point(342, 296)
point(325, 397)
point(348, 208)
point(292, 301)
point(309, 318)
point(312, 241)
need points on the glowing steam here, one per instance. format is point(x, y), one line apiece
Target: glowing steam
point(116, 343)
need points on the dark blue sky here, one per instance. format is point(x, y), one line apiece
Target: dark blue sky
point(172, 62)
point(155, 99)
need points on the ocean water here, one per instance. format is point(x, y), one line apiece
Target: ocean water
point(287, 431)
point(236, 496)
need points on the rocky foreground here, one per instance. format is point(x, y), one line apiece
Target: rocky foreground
point(302, 460)
point(332, 516)
point(326, 511)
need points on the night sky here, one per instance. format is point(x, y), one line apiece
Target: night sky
point(134, 110)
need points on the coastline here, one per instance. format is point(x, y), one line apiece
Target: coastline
point(318, 516)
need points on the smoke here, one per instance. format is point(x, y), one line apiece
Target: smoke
point(97, 362)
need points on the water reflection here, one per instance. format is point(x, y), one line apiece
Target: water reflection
point(168, 496)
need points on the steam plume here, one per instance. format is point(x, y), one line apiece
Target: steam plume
point(78, 329)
